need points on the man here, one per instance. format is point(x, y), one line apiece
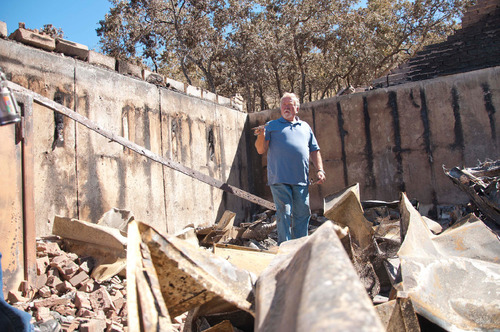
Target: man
point(290, 143)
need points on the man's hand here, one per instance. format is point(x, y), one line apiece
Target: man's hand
point(318, 163)
point(260, 130)
point(321, 176)
point(261, 144)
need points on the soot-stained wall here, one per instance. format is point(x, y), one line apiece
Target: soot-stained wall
point(398, 139)
point(80, 174)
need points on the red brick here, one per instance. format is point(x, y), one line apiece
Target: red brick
point(83, 312)
point(41, 265)
point(48, 248)
point(65, 310)
point(51, 302)
point(79, 278)
point(40, 281)
point(87, 286)
point(100, 299)
point(53, 281)
point(15, 296)
point(82, 300)
point(119, 303)
point(45, 292)
point(64, 287)
point(65, 265)
point(114, 327)
point(93, 325)
point(70, 327)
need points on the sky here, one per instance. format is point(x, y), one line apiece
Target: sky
point(77, 18)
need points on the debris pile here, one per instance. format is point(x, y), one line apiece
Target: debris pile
point(366, 266)
point(482, 185)
point(67, 297)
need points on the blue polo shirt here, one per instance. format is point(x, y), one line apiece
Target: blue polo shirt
point(288, 155)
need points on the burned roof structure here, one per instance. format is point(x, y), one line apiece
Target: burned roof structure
point(475, 46)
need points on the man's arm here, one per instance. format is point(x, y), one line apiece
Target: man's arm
point(318, 163)
point(261, 144)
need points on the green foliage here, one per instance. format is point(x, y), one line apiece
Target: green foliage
point(263, 48)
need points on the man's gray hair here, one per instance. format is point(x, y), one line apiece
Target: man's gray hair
point(291, 95)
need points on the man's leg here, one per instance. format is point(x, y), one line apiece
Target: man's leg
point(301, 211)
point(282, 196)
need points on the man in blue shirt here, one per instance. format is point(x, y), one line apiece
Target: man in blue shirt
point(290, 144)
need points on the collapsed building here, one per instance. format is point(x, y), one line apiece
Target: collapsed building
point(180, 157)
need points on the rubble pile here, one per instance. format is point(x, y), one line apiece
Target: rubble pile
point(365, 266)
point(67, 297)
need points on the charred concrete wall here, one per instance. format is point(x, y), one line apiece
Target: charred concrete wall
point(388, 140)
point(80, 174)
point(398, 139)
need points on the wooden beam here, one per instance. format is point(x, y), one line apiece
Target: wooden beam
point(142, 150)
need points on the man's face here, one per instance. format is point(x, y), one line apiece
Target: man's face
point(288, 109)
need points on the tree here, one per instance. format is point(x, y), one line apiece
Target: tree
point(263, 48)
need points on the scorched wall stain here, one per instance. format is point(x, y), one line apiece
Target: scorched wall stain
point(342, 133)
point(392, 104)
point(370, 176)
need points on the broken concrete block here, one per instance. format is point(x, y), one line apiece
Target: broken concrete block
point(116, 218)
point(207, 95)
point(101, 60)
point(106, 271)
point(3, 29)
point(89, 233)
point(126, 68)
point(119, 303)
point(193, 91)
point(72, 49)
point(153, 78)
point(34, 39)
point(176, 85)
point(311, 285)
